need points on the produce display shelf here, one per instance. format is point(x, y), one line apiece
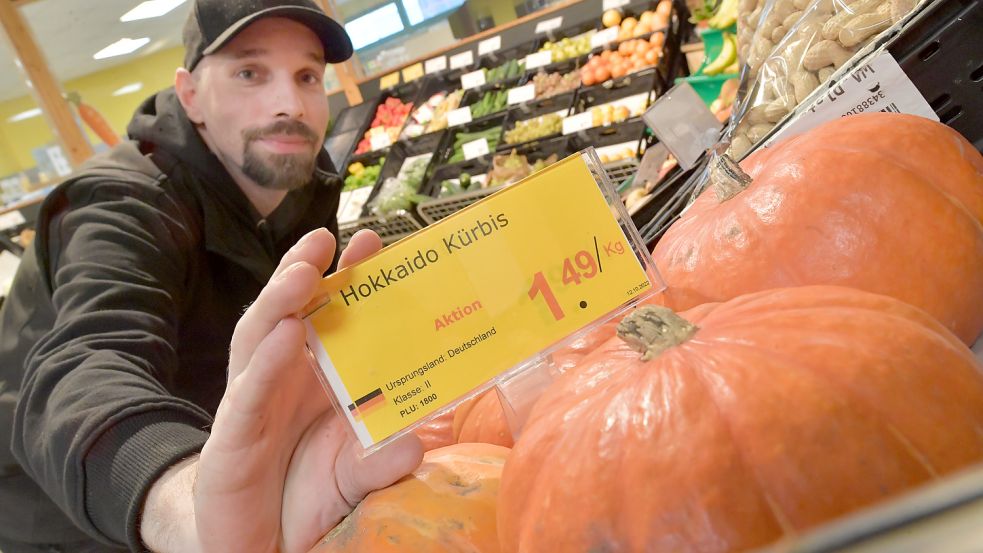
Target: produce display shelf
point(390, 228)
point(437, 209)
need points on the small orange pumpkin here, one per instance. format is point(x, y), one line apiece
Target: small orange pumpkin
point(447, 505)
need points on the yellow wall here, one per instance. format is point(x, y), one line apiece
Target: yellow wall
point(155, 71)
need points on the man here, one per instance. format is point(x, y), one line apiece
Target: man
point(115, 362)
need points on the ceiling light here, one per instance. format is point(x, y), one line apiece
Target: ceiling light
point(24, 115)
point(149, 9)
point(121, 47)
point(128, 89)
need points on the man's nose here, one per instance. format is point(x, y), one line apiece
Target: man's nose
point(287, 101)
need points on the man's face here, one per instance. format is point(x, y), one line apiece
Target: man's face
point(261, 102)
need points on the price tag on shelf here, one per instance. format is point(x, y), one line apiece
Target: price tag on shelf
point(379, 141)
point(490, 45)
point(389, 80)
point(412, 72)
point(459, 324)
point(473, 79)
point(521, 94)
point(463, 59)
point(434, 65)
point(548, 25)
point(460, 116)
point(475, 148)
point(602, 38)
point(578, 122)
point(615, 4)
point(539, 59)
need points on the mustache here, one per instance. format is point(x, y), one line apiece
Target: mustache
point(288, 127)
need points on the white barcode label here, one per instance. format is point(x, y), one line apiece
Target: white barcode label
point(475, 148)
point(434, 65)
point(459, 116)
point(473, 79)
point(549, 25)
point(578, 122)
point(463, 59)
point(539, 59)
point(521, 94)
point(490, 45)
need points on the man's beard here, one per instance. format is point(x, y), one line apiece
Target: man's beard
point(279, 171)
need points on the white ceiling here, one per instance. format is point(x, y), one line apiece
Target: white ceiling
point(70, 31)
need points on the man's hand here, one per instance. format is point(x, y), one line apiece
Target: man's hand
point(279, 469)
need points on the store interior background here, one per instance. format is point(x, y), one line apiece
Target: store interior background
point(71, 32)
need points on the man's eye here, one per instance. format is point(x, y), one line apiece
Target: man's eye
point(247, 74)
point(311, 78)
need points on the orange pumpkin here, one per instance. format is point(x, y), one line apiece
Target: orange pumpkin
point(757, 418)
point(437, 433)
point(481, 419)
point(447, 505)
point(888, 203)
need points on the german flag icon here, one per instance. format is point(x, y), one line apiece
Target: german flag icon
point(367, 403)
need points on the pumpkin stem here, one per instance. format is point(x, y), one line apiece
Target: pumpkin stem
point(727, 178)
point(652, 329)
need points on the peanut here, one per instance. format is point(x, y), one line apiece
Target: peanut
point(759, 114)
point(758, 132)
point(778, 34)
point(825, 73)
point(900, 8)
point(792, 19)
point(800, 4)
point(804, 83)
point(831, 29)
point(824, 53)
point(760, 48)
point(739, 145)
point(862, 27)
point(774, 111)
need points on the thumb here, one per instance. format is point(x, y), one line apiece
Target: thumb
point(358, 476)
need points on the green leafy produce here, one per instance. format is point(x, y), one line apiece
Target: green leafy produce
point(531, 129)
point(401, 193)
point(492, 101)
point(360, 175)
point(492, 135)
point(508, 70)
point(464, 184)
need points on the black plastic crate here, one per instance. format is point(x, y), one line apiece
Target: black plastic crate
point(634, 131)
point(473, 96)
point(429, 89)
point(371, 158)
point(539, 150)
point(646, 81)
point(398, 155)
point(941, 53)
point(446, 148)
point(537, 108)
point(474, 168)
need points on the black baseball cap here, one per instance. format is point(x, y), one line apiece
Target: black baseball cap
point(213, 23)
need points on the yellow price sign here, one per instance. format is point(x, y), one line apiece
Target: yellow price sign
point(412, 73)
point(389, 81)
point(430, 318)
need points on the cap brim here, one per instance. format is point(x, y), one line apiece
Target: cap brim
point(337, 44)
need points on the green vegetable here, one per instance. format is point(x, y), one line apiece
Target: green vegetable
point(367, 177)
point(492, 135)
point(531, 129)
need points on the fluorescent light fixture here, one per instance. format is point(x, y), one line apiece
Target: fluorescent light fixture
point(128, 89)
point(121, 47)
point(24, 115)
point(150, 9)
point(374, 26)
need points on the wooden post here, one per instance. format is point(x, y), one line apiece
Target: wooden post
point(347, 71)
point(45, 89)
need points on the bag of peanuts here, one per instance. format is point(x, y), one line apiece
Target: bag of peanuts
point(797, 45)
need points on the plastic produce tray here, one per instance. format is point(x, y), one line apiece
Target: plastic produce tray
point(560, 104)
point(445, 150)
point(390, 229)
point(474, 167)
point(397, 156)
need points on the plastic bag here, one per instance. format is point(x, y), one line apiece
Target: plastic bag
point(807, 42)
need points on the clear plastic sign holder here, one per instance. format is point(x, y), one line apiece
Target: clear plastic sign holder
point(520, 386)
point(683, 122)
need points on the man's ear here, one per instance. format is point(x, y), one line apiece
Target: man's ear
point(186, 86)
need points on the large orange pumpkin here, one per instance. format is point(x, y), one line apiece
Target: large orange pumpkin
point(482, 419)
point(888, 203)
point(446, 506)
point(437, 433)
point(760, 417)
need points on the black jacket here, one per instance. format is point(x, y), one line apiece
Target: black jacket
point(114, 338)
